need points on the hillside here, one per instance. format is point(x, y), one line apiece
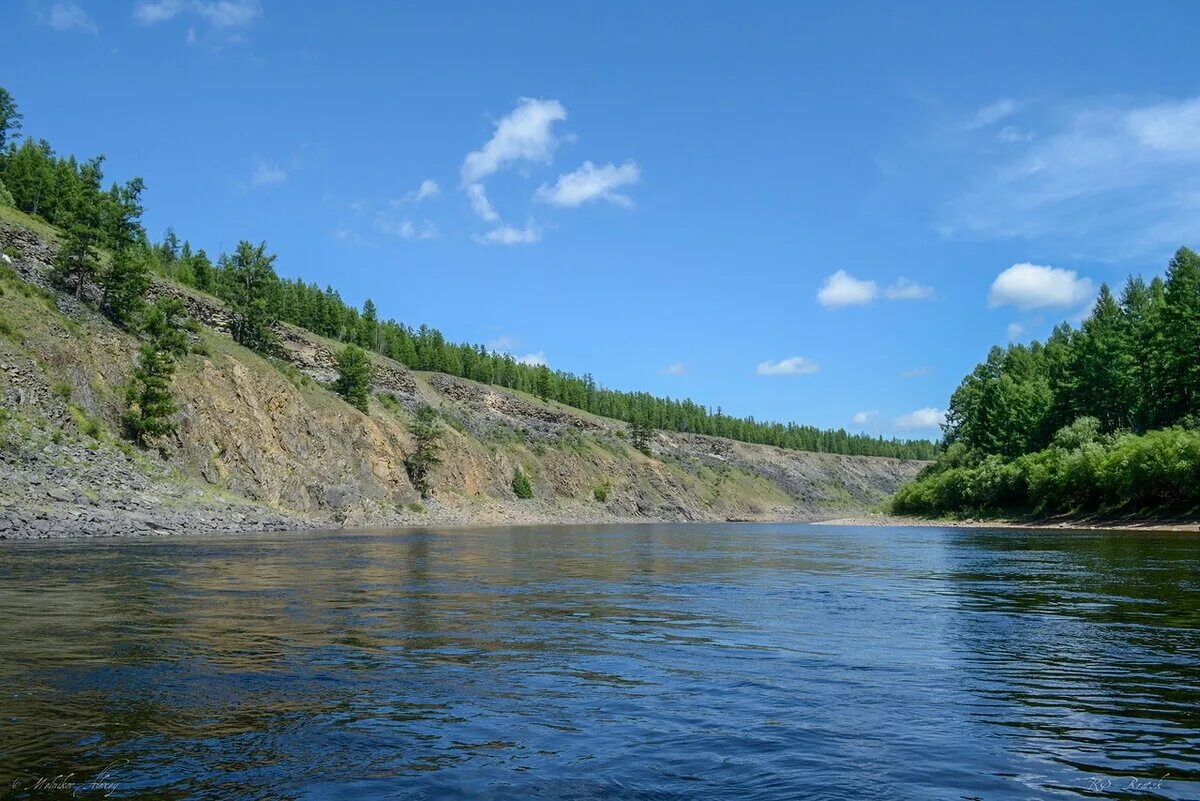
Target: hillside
point(264, 443)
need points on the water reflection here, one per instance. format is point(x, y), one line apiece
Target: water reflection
point(645, 662)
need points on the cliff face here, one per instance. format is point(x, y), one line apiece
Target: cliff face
point(265, 444)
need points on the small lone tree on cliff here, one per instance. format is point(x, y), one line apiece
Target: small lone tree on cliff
point(354, 377)
point(427, 431)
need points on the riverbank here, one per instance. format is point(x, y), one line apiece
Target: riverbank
point(1127, 523)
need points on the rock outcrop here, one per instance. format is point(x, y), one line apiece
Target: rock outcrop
point(264, 443)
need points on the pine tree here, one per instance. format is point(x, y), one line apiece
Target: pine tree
point(123, 287)
point(427, 433)
point(248, 281)
point(640, 434)
point(10, 117)
point(354, 377)
point(77, 261)
point(148, 401)
point(1179, 357)
point(520, 485)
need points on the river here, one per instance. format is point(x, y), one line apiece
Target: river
point(643, 662)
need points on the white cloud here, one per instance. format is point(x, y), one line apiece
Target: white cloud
point(428, 188)
point(905, 289)
point(267, 174)
point(481, 204)
point(916, 372)
point(534, 359)
point(843, 289)
point(389, 223)
point(796, 365)
point(1015, 330)
point(154, 13)
point(228, 13)
point(508, 235)
point(992, 113)
point(862, 418)
point(678, 368)
point(1011, 134)
point(1032, 286)
point(921, 419)
point(227, 20)
point(590, 182)
point(66, 16)
point(524, 135)
point(1114, 180)
point(503, 344)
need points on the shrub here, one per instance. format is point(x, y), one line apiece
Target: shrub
point(520, 485)
point(417, 507)
point(600, 493)
point(354, 377)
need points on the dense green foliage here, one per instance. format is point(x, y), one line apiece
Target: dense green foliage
point(521, 486)
point(427, 434)
point(639, 435)
point(148, 401)
point(68, 194)
point(354, 377)
point(1102, 417)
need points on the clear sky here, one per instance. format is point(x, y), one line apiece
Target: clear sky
point(824, 213)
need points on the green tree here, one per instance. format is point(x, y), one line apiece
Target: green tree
point(354, 377)
point(10, 117)
point(1105, 365)
point(248, 282)
point(640, 435)
point(78, 260)
point(148, 401)
point(123, 286)
point(1178, 361)
point(520, 485)
point(427, 434)
point(149, 404)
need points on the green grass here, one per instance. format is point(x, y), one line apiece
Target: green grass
point(35, 224)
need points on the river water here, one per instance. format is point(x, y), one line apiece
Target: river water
point(642, 662)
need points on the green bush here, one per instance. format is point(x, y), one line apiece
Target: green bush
point(600, 493)
point(1082, 471)
point(520, 485)
point(6, 198)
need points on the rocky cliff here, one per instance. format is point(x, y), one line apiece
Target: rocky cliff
point(264, 443)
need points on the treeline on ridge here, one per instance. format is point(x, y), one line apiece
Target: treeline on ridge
point(1105, 417)
point(69, 195)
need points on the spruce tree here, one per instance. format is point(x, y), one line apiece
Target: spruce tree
point(10, 117)
point(148, 401)
point(77, 261)
point(520, 485)
point(427, 434)
point(248, 281)
point(123, 287)
point(354, 377)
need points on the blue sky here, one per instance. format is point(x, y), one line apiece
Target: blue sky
point(820, 213)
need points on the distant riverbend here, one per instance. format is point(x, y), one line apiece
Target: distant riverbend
point(698, 661)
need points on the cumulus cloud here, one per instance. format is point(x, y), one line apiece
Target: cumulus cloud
point(526, 134)
point(796, 365)
point(509, 235)
point(678, 368)
point(843, 289)
point(267, 174)
point(480, 203)
point(1014, 331)
point(1114, 180)
point(428, 188)
point(68, 16)
point(503, 344)
point(992, 113)
point(590, 182)
point(906, 289)
point(920, 420)
point(862, 418)
point(1033, 286)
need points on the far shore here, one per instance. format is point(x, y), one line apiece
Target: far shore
point(1077, 523)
